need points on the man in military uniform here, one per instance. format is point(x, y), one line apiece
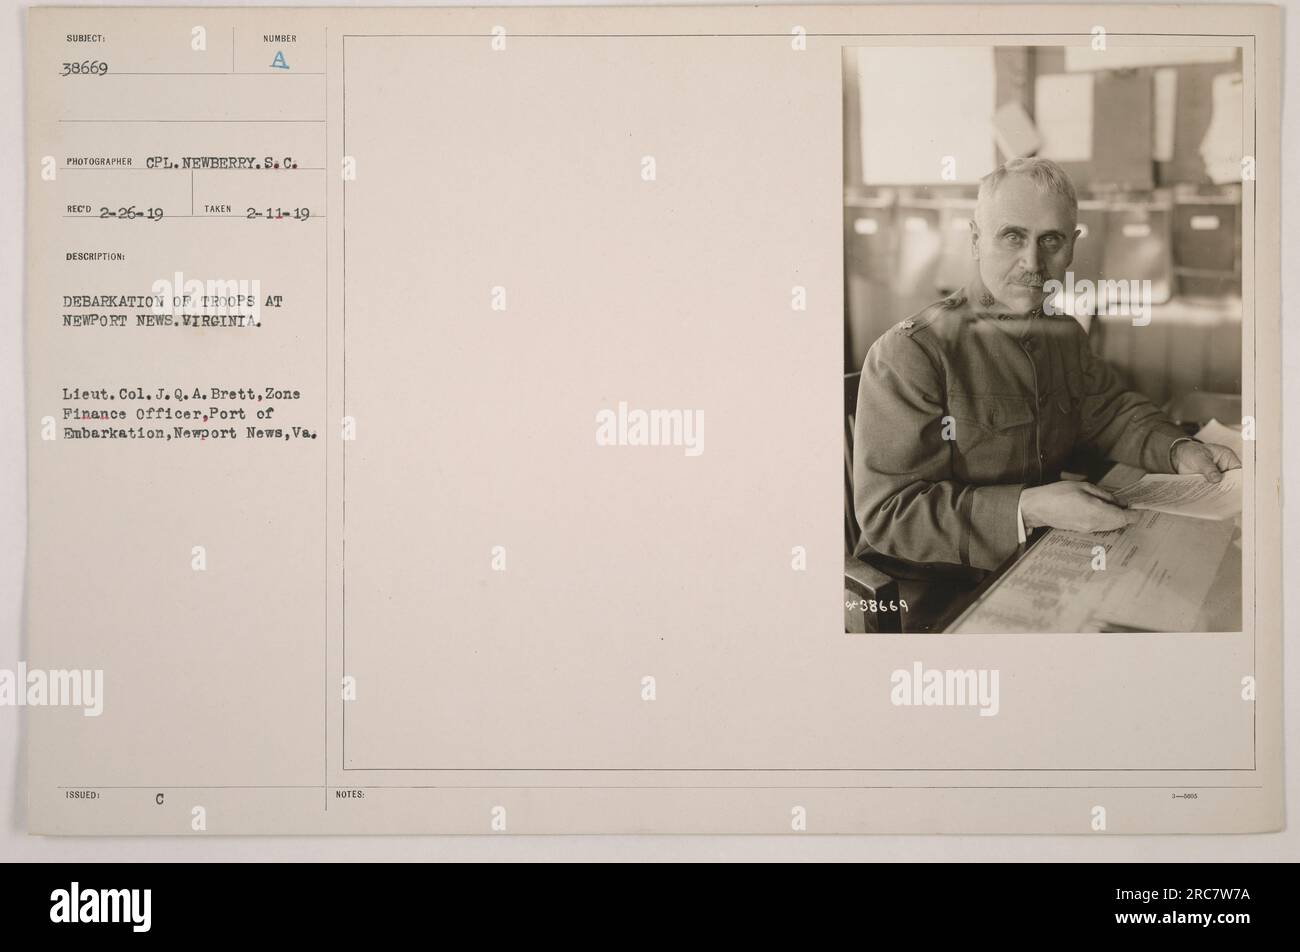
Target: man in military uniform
point(968, 411)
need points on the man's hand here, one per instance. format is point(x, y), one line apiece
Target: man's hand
point(1206, 459)
point(1073, 505)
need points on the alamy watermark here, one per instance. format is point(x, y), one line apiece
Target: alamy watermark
point(1103, 298)
point(215, 302)
point(633, 427)
point(78, 904)
point(36, 687)
point(946, 687)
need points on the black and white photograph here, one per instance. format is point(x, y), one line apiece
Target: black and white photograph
point(1043, 338)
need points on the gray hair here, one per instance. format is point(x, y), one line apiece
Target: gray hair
point(1045, 173)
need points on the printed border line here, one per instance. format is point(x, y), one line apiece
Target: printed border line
point(657, 786)
point(1254, 274)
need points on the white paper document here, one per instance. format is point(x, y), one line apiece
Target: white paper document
point(1221, 147)
point(1219, 433)
point(1154, 575)
point(1063, 113)
point(1190, 495)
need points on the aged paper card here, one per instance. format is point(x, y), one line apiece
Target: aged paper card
point(437, 423)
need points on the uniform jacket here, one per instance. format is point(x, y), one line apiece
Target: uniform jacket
point(1015, 395)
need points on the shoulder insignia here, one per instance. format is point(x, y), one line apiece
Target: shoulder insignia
point(919, 322)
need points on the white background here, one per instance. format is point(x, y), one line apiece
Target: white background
point(15, 844)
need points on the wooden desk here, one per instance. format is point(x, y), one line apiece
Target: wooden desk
point(940, 605)
point(1220, 607)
